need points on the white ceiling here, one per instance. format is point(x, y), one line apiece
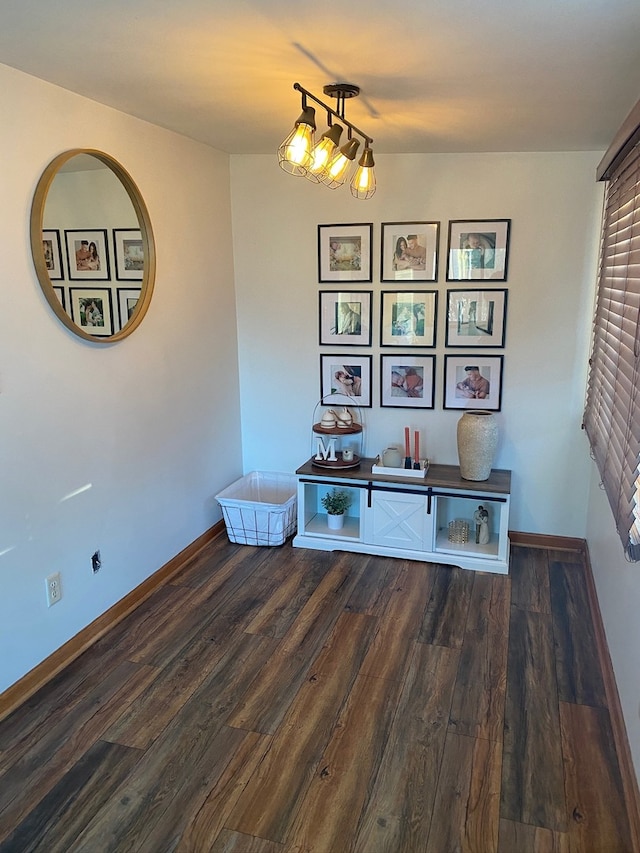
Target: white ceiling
point(462, 75)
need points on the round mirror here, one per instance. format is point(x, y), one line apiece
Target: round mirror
point(92, 245)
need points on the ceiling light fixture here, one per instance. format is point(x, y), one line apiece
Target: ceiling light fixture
point(324, 162)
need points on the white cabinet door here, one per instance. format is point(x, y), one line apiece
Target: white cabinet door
point(399, 520)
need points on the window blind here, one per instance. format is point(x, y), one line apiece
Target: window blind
point(612, 411)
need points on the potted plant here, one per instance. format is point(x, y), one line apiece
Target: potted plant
point(336, 502)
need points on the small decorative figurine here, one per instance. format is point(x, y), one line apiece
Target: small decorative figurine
point(329, 419)
point(481, 518)
point(345, 418)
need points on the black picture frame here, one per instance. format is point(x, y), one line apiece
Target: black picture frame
point(407, 381)
point(345, 253)
point(458, 370)
point(417, 262)
point(408, 318)
point(478, 249)
point(87, 269)
point(345, 318)
point(52, 248)
point(354, 387)
point(476, 317)
point(80, 297)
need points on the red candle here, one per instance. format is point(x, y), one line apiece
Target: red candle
point(407, 451)
point(416, 441)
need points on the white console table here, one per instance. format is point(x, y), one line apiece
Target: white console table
point(399, 516)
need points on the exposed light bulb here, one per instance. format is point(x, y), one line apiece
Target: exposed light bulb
point(337, 170)
point(323, 152)
point(363, 183)
point(294, 155)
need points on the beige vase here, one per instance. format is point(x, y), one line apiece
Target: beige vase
point(477, 444)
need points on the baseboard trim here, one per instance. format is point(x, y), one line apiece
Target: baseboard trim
point(36, 678)
point(543, 540)
point(627, 770)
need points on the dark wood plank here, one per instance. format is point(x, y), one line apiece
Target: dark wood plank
point(595, 799)
point(284, 559)
point(235, 842)
point(270, 696)
point(209, 561)
point(278, 613)
point(529, 572)
point(145, 813)
point(568, 556)
point(160, 607)
point(578, 666)
point(397, 816)
point(478, 701)
point(532, 774)
point(148, 813)
point(524, 838)
point(206, 820)
point(467, 797)
point(59, 818)
point(379, 577)
point(55, 700)
point(399, 623)
point(157, 643)
point(339, 790)
point(446, 612)
point(272, 799)
point(142, 722)
point(39, 769)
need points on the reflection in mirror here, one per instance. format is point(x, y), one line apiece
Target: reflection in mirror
point(92, 245)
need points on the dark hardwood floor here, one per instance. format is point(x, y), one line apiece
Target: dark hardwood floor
point(275, 700)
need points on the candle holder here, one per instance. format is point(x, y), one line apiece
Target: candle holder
point(458, 531)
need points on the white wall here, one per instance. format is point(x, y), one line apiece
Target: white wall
point(553, 202)
point(144, 432)
point(618, 586)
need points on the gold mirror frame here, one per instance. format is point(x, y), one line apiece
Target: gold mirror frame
point(146, 233)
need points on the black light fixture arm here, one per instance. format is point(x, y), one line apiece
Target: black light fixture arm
point(341, 91)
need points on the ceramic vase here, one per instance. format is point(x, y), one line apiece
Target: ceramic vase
point(335, 522)
point(477, 443)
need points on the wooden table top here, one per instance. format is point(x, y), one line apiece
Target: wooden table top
point(441, 476)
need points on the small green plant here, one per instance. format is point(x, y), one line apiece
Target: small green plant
point(337, 501)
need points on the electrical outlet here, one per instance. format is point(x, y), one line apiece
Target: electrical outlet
point(96, 561)
point(54, 589)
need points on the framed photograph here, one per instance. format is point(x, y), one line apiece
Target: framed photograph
point(407, 381)
point(87, 254)
point(476, 318)
point(344, 252)
point(343, 376)
point(127, 301)
point(473, 381)
point(478, 249)
point(345, 318)
point(52, 253)
point(408, 318)
point(91, 309)
point(129, 254)
point(410, 251)
point(59, 292)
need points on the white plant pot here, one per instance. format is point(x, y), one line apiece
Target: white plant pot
point(335, 522)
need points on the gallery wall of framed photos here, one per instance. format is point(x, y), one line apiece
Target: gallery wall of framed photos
point(411, 314)
point(96, 274)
